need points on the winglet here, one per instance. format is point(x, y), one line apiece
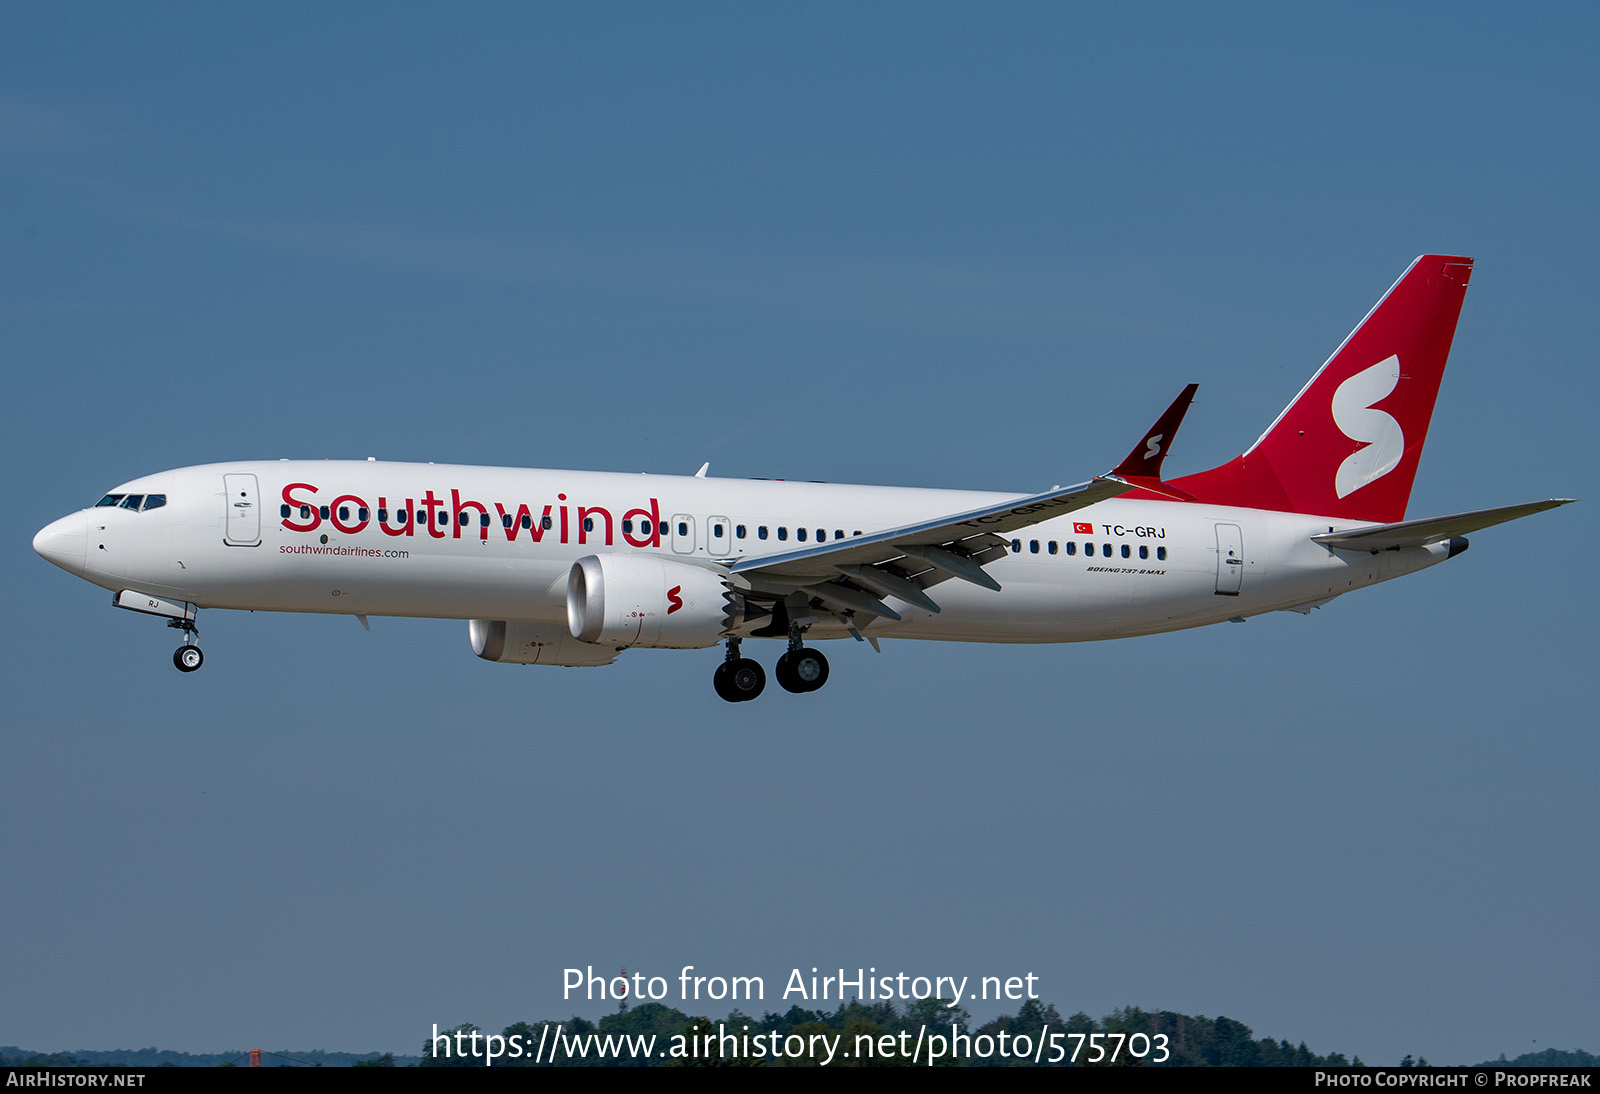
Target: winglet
point(1143, 464)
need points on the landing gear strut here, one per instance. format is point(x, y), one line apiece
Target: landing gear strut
point(187, 656)
point(801, 670)
point(738, 678)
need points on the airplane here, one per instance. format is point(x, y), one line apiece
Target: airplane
point(572, 567)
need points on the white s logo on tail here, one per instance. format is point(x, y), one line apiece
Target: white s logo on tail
point(1383, 442)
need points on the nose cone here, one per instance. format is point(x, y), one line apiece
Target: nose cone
point(64, 542)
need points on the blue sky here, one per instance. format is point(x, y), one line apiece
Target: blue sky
point(912, 244)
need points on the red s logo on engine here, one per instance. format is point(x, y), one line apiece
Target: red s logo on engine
point(673, 599)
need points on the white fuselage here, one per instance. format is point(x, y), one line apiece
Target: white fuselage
point(254, 536)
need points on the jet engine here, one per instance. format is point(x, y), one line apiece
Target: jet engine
point(641, 600)
point(534, 644)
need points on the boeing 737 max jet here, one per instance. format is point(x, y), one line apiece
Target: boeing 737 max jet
point(572, 567)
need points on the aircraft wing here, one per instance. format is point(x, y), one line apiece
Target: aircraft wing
point(850, 574)
point(1420, 533)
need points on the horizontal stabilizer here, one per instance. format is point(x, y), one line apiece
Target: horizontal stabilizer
point(1420, 533)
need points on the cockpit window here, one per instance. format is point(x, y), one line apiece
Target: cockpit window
point(109, 499)
point(133, 501)
point(154, 501)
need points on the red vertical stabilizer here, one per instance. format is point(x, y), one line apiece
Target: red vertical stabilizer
point(1349, 443)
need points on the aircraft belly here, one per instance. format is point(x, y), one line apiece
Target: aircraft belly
point(1076, 606)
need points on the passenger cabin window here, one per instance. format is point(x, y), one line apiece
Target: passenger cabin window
point(283, 511)
point(738, 531)
point(1072, 548)
point(1161, 553)
point(783, 532)
point(1033, 546)
point(483, 520)
point(822, 535)
point(444, 518)
point(505, 520)
point(527, 522)
point(547, 523)
point(665, 530)
point(1126, 553)
point(1144, 552)
point(305, 512)
point(800, 534)
point(1053, 547)
point(683, 528)
point(1105, 549)
point(324, 512)
point(716, 531)
point(838, 533)
point(588, 524)
point(344, 512)
point(627, 526)
point(761, 531)
point(361, 512)
point(1016, 546)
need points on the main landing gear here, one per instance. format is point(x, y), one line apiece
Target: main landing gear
point(799, 670)
point(738, 678)
point(187, 656)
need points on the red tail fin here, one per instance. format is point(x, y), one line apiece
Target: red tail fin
point(1349, 444)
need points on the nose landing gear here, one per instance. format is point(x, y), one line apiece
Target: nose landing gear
point(179, 615)
point(187, 656)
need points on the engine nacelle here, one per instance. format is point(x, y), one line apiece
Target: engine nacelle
point(534, 644)
point(642, 600)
